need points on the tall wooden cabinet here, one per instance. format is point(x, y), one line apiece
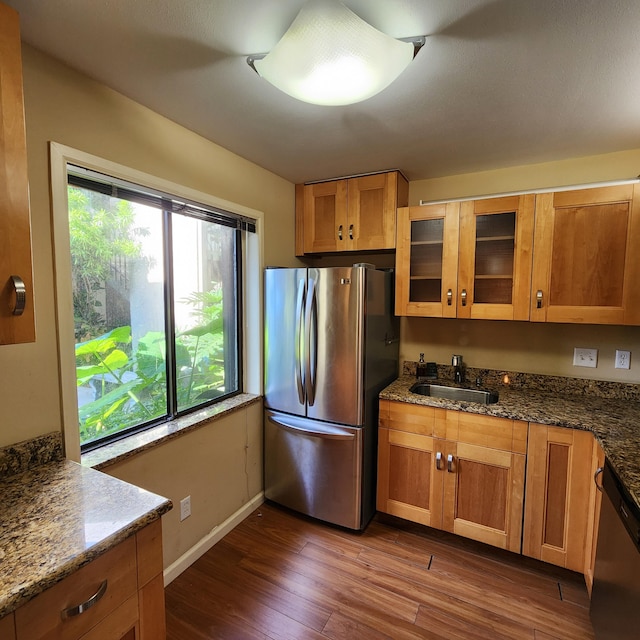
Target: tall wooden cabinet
point(455, 471)
point(350, 214)
point(469, 259)
point(559, 487)
point(586, 265)
point(16, 286)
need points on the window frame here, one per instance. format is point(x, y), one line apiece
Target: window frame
point(249, 283)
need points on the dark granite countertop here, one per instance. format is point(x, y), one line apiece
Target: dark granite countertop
point(615, 421)
point(57, 517)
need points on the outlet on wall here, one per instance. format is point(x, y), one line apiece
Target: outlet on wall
point(185, 508)
point(623, 359)
point(585, 357)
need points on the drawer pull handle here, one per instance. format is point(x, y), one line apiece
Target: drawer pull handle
point(350, 232)
point(539, 299)
point(449, 296)
point(21, 295)
point(340, 232)
point(439, 460)
point(463, 296)
point(87, 604)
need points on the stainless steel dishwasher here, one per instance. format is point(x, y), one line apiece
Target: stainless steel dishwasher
point(615, 600)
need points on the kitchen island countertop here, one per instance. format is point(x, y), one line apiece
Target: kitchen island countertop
point(57, 517)
point(614, 422)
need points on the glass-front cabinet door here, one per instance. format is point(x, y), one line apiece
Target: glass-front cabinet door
point(427, 260)
point(495, 252)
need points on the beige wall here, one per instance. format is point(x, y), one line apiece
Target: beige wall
point(524, 346)
point(66, 107)
point(219, 465)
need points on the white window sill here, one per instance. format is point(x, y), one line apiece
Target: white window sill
point(131, 445)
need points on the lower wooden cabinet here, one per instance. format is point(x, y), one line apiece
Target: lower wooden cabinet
point(593, 518)
point(459, 472)
point(130, 604)
point(560, 468)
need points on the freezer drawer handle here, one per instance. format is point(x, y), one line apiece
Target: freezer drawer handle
point(333, 433)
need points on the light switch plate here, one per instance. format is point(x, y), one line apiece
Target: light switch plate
point(585, 357)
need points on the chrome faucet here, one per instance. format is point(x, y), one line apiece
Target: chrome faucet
point(458, 370)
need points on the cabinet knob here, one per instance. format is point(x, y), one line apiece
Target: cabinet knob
point(463, 297)
point(340, 232)
point(21, 295)
point(449, 296)
point(539, 299)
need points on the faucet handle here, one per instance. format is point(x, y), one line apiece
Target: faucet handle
point(456, 361)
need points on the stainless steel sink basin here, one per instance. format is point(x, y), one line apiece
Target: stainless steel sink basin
point(454, 393)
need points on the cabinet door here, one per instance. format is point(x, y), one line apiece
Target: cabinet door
point(409, 481)
point(483, 491)
point(7, 627)
point(496, 242)
point(372, 205)
point(427, 260)
point(325, 217)
point(586, 265)
point(557, 499)
point(593, 517)
point(15, 238)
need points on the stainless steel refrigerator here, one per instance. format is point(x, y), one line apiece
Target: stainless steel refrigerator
point(331, 346)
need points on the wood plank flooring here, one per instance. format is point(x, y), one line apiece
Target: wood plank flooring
point(279, 575)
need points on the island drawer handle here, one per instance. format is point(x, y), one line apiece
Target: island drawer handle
point(87, 604)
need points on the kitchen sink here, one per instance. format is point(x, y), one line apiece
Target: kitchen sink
point(454, 393)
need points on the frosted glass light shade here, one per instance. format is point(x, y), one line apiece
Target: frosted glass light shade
point(330, 56)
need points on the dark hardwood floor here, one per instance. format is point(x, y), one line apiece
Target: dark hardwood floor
point(282, 576)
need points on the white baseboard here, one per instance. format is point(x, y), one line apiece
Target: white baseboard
point(216, 534)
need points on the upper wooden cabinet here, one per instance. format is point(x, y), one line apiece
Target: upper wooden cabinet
point(469, 259)
point(586, 266)
point(351, 214)
point(560, 468)
point(15, 238)
point(459, 472)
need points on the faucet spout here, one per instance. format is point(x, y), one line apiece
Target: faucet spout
point(458, 369)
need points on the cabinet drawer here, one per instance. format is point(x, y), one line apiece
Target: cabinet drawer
point(42, 618)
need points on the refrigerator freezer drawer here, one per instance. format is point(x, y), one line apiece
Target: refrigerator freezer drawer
point(314, 468)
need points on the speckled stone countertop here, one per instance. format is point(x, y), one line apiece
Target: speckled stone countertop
point(613, 416)
point(57, 517)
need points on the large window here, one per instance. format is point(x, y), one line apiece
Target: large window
point(156, 300)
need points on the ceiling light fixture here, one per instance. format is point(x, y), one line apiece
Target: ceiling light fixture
point(330, 56)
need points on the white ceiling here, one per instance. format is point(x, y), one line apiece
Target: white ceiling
point(498, 82)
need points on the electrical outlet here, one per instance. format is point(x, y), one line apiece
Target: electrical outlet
point(185, 508)
point(585, 357)
point(623, 359)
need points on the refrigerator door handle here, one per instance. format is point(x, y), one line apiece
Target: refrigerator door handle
point(324, 431)
point(299, 340)
point(311, 350)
